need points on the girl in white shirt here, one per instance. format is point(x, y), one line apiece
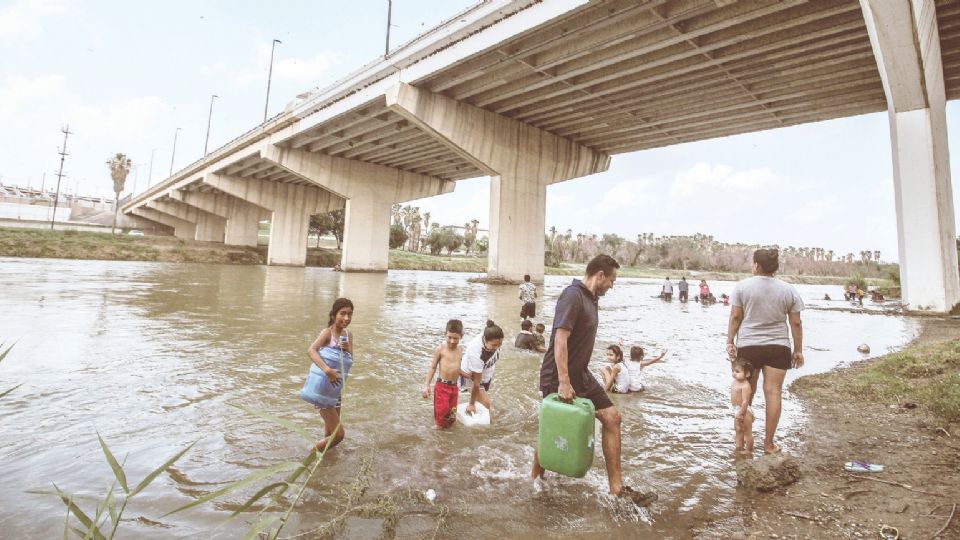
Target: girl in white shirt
point(615, 376)
point(476, 368)
point(636, 364)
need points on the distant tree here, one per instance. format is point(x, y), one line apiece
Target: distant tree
point(398, 236)
point(119, 169)
point(483, 244)
point(451, 241)
point(329, 223)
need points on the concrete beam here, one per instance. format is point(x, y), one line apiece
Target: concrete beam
point(521, 160)
point(291, 206)
point(181, 228)
point(242, 218)
point(906, 44)
point(209, 227)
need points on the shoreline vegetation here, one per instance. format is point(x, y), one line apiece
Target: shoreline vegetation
point(43, 243)
point(907, 418)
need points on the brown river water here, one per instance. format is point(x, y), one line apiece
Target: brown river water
point(152, 356)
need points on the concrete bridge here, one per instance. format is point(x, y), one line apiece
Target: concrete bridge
point(531, 93)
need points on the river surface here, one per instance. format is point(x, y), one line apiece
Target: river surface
point(156, 356)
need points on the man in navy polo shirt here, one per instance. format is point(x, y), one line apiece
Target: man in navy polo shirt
point(565, 366)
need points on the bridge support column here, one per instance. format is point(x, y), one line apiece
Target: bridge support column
point(181, 228)
point(906, 45)
point(291, 206)
point(522, 161)
point(207, 227)
point(370, 190)
point(210, 228)
point(242, 218)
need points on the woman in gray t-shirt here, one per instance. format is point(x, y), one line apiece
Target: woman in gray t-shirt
point(760, 309)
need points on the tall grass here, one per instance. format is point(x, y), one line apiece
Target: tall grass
point(3, 354)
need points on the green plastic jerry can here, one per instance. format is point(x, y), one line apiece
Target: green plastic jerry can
point(565, 437)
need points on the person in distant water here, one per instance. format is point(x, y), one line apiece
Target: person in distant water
point(636, 365)
point(764, 313)
point(335, 337)
point(565, 369)
point(851, 292)
point(446, 357)
point(723, 298)
point(666, 289)
point(740, 394)
point(826, 297)
point(525, 339)
point(616, 378)
point(541, 340)
point(479, 360)
point(528, 295)
point(860, 294)
point(683, 288)
point(704, 289)
point(876, 296)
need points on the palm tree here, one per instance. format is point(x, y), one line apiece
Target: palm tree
point(119, 169)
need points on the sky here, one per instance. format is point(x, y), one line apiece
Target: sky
point(126, 75)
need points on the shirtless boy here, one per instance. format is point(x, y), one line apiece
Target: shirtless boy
point(447, 357)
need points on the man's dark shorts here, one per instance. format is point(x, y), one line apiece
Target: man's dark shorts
point(775, 356)
point(599, 397)
point(529, 310)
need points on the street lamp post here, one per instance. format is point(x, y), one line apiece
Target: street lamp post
point(209, 117)
point(150, 174)
point(269, 76)
point(174, 152)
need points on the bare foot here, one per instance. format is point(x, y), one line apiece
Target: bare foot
point(773, 449)
point(639, 498)
point(537, 471)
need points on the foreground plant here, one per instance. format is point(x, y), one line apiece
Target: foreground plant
point(3, 354)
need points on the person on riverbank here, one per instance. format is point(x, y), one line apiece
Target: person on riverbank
point(447, 357)
point(704, 290)
point(526, 340)
point(758, 331)
point(334, 346)
point(637, 363)
point(565, 368)
point(740, 394)
point(666, 289)
point(528, 295)
point(616, 378)
point(479, 360)
point(683, 288)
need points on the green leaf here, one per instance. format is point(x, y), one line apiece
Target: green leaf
point(279, 421)
point(262, 525)
point(256, 496)
point(117, 469)
point(11, 390)
point(3, 354)
point(294, 476)
point(259, 475)
point(150, 477)
point(78, 513)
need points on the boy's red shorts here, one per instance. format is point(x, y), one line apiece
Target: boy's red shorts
point(445, 403)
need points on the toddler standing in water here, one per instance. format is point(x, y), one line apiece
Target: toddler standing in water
point(740, 405)
point(332, 357)
point(447, 356)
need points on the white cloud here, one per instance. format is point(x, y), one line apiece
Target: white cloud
point(24, 19)
point(17, 92)
point(631, 193)
point(817, 210)
point(702, 176)
point(120, 119)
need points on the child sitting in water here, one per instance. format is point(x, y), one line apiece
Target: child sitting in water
point(740, 405)
point(615, 376)
point(447, 356)
point(636, 365)
point(541, 340)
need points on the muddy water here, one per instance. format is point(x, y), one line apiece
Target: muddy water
point(153, 356)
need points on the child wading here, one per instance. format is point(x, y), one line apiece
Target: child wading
point(447, 357)
point(740, 405)
point(332, 356)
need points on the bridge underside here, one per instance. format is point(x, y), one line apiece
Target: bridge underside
point(552, 98)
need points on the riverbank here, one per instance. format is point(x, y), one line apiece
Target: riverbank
point(901, 410)
point(121, 247)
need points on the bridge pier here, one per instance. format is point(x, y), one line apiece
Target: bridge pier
point(242, 218)
point(906, 44)
point(207, 227)
point(366, 233)
point(522, 161)
point(181, 228)
point(291, 206)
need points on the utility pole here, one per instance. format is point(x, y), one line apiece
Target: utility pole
point(63, 156)
point(174, 152)
point(42, 181)
point(269, 76)
point(150, 175)
point(386, 49)
point(209, 117)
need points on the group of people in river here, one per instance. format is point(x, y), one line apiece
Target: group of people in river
point(764, 313)
point(704, 296)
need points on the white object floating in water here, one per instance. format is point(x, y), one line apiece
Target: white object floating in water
point(864, 348)
point(430, 495)
point(479, 418)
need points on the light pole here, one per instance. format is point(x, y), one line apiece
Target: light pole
point(209, 117)
point(174, 152)
point(269, 76)
point(150, 174)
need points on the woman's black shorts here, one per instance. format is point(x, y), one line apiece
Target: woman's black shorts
point(775, 356)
